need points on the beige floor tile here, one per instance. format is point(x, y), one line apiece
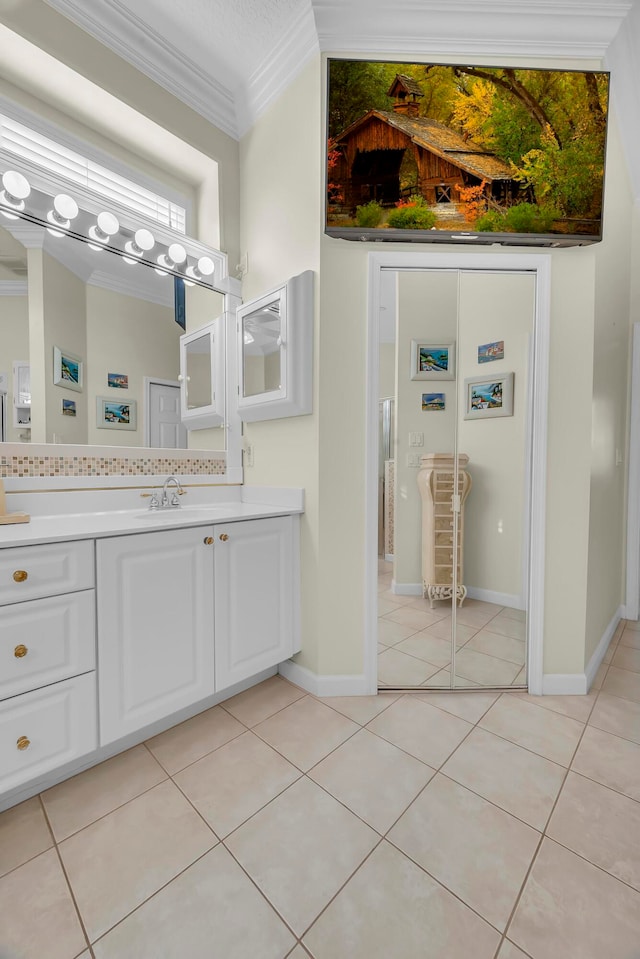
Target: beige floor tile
point(259, 702)
point(119, 861)
point(428, 648)
point(305, 732)
point(507, 612)
point(626, 657)
point(81, 800)
point(300, 849)
point(212, 909)
point(418, 618)
point(623, 683)
point(630, 637)
point(193, 739)
point(232, 783)
point(573, 910)
point(298, 953)
point(477, 615)
point(421, 730)
point(23, 834)
point(509, 951)
point(632, 624)
point(395, 598)
point(391, 908)
point(469, 706)
point(37, 915)
point(599, 677)
point(600, 825)
point(505, 626)
point(391, 633)
point(575, 707)
point(442, 630)
point(443, 678)
point(609, 760)
point(544, 732)
point(361, 709)
point(398, 669)
point(513, 778)
point(387, 605)
point(618, 716)
point(521, 678)
point(483, 669)
point(502, 647)
point(476, 850)
point(373, 778)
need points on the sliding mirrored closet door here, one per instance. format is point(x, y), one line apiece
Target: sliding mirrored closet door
point(453, 570)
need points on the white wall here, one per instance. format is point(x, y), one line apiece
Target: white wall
point(14, 345)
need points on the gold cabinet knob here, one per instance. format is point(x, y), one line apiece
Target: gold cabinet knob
point(208, 540)
point(23, 743)
point(224, 537)
point(20, 651)
point(20, 575)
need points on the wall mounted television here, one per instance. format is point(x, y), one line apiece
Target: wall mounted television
point(465, 154)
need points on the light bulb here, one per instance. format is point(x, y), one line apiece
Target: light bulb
point(65, 209)
point(204, 267)
point(174, 257)
point(15, 190)
point(142, 242)
point(105, 227)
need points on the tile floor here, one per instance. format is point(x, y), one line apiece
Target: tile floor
point(431, 825)
point(414, 641)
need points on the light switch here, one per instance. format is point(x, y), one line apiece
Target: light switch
point(416, 439)
point(413, 459)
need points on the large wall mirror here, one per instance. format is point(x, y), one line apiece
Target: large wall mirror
point(455, 414)
point(114, 326)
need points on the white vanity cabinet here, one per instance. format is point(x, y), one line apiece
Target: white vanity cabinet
point(47, 656)
point(256, 592)
point(155, 626)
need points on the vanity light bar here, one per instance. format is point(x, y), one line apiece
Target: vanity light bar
point(62, 216)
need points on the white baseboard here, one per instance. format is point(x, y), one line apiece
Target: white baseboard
point(319, 685)
point(512, 600)
point(578, 684)
point(406, 589)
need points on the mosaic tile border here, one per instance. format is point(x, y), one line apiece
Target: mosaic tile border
point(12, 466)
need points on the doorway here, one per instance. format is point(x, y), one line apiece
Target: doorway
point(163, 424)
point(470, 415)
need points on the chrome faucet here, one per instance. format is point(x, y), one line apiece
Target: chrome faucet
point(172, 502)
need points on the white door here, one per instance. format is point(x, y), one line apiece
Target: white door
point(155, 626)
point(255, 596)
point(165, 426)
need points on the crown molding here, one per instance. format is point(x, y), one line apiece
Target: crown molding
point(160, 294)
point(140, 45)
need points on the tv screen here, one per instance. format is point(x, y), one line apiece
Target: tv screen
point(442, 153)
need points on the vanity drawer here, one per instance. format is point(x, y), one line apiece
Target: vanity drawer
point(46, 640)
point(42, 730)
point(30, 572)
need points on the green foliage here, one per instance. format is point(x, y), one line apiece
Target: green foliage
point(490, 222)
point(521, 218)
point(413, 215)
point(369, 215)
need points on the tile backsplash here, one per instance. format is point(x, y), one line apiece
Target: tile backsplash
point(44, 465)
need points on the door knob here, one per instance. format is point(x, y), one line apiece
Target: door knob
point(224, 537)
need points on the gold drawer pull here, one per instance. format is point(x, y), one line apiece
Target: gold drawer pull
point(208, 540)
point(224, 537)
point(20, 651)
point(20, 575)
point(23, 743)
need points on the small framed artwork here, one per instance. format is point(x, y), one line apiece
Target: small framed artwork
point(487, 396)
point(68, 407)
point(68, 370)
point(433, 401)
point(111, 415)
point(430, 361)
point(118, 381)
point(491, 351)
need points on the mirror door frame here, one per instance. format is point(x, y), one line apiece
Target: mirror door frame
point(539, 265)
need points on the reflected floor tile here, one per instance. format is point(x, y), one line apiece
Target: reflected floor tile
point(360, 709)
point(469, 706)
point(574, 910)
point(417, 618)
point(395, 598)
point(508, 627)
point(513, 778)
point(375, 779)
point(502, 647)
point(428, 648)
point(509, 951)
point(485, 670)
point(423, 731)
point(442, 630)
point(392, 908)
point(443, 679)
point(305, 732)
point(193, 739)
point(23, 834)
point(609, 760)
point(398, 669)
point(507, 612)
point(38, 915)
point(210, 903)
point(600, 825)
point(544, 732)
point(623, 683)
point(621, 717)
point(391, 633)
point(477, 615)
point(476, 850)
point(630, 637)
point(626, 657)
point(387, 605)
point(300, 849)
point(259, 702)
point(575, 707)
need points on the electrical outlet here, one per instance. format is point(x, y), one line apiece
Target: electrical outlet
point(416, 439)
point(413, 459)
point(248, 454)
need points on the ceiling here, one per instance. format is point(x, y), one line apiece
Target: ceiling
point(228, 59)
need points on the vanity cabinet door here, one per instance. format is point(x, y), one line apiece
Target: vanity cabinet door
point(155, 627)
point(256, 596)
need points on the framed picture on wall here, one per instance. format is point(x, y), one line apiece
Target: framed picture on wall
point(433, 401)
point(68, 407)
point(430, 361)
point(68, 370)
point(487, 396)
point(112, 415)
point(118, 381)
point(488, 352)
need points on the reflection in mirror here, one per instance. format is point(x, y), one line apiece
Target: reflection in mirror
point(118, 318)
point(447, 441)
point(262, 337)
point(198, 366)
